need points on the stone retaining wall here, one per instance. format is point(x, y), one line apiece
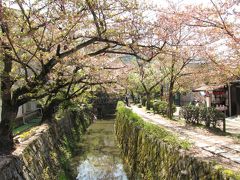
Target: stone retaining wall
point(148, 157)
point(45, 152)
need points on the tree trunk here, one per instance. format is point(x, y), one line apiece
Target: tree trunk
point(132, 96)
point(6, 136)
point(170, 100)
point(9, 109)
point(47, 114)
point(50, 109)
point(161, 92)
point(148, 101)
point(8, 115)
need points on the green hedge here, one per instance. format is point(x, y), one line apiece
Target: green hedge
point(208, 116)
point(161, 107)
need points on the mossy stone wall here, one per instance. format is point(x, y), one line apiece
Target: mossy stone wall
point(46, 153)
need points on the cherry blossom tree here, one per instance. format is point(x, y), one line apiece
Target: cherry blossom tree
point(44, 45)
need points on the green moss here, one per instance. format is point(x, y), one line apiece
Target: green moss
point(31, 123)
point(62, 176)
point(80, 120)
point(228, 172)
point(125, 114)
point(218, 167)
point(46, 173)
point(238, 176)
point(231, 174)
point(54, 157)
point(27, 134)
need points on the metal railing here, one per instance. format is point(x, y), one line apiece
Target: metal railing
point(25, 115)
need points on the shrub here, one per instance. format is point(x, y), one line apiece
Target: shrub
point(155, 106)
point(144, 100)
point(210, 116)
point(204, 116)
point(151, 103)
point(207, 115)
point(215, 116)
point(186, 113)
point(161, 107)
point(191, 114)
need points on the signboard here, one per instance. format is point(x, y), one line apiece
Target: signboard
point(219, 92)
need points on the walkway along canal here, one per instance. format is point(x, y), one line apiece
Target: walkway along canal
point(98, 156)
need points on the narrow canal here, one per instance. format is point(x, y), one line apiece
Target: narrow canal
point(99, 157)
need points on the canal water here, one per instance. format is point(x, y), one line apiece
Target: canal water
point(98, 156)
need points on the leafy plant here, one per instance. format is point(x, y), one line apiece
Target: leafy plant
point(209, 116)
point(144, 100)
point(161, 107)
point(191, 114)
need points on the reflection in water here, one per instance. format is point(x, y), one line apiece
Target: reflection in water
point(100, 168)
point(99, 157)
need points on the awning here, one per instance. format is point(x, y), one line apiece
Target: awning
point(235, 82)
point(208, 88)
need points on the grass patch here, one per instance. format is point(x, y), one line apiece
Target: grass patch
point(25, 127)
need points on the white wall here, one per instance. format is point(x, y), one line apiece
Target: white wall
point(27, 107)
point(186, 98)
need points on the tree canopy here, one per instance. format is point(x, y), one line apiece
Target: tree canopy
point(55, 50)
